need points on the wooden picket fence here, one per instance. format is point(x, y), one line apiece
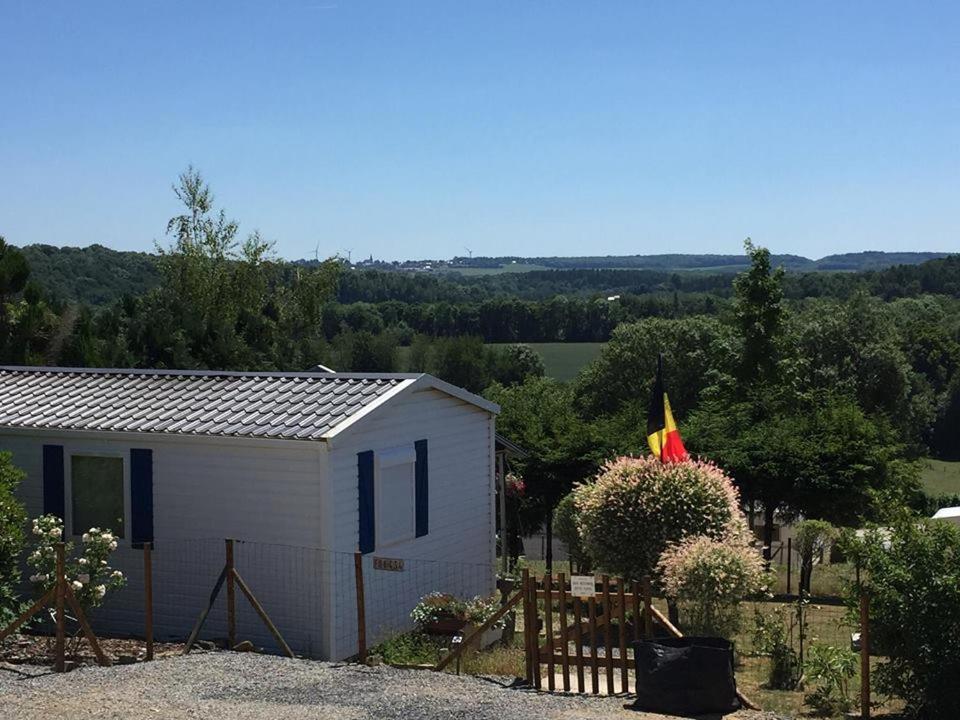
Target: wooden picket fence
point(588, 627)
point(587, 632)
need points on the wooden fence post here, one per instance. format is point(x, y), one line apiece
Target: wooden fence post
point(361, 608)
point(148, 597)
point(789, 561)
point(548, 621)
point(61, 619)
point(864, 654)
point(527, 645)
point(231, 597)
point(647, 607)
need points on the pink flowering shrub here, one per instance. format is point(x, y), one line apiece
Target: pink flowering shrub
point(516, 487)
point(636, 507)
point(708, 578)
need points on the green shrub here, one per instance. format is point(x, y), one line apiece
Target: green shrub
point(770, 638)
point(708, 578)
point(12, 520)
point(409, 649)
point(912, 574)
point(830, 669)
point(565, 528)
point(636, 507)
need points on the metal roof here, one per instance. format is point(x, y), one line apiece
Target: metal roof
point(292, 406)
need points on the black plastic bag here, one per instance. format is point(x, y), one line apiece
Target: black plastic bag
point(685, 676)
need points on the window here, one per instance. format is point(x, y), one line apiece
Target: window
point(395, 495)
point(96, 492)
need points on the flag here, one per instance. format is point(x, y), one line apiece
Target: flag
point(662, 434)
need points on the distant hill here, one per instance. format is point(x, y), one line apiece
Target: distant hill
point(97, 275)
point(868, 260)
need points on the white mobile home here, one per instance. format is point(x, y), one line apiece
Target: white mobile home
point(306, 468)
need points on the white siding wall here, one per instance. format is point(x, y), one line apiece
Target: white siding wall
point(458, 553)
point(269, 494)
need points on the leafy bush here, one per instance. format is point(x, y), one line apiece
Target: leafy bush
point(89, 573)
point(912, 574)
point(636, 507)
point(770, 638)
point(708, 578)
point(830, 669)
point(12, 519)
point(565, 528)
point(408, 649)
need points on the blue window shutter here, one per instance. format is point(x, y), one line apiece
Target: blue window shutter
point(422, 488)
point(365, 493)
point(54, 497)
point(141, 496)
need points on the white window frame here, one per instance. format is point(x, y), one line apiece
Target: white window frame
point(69, 530)
point(390, 458)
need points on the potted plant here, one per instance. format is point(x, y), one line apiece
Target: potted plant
point(440, 614)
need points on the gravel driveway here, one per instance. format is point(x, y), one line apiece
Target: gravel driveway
point(248, 686)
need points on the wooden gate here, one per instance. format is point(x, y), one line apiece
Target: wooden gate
point(588, 626)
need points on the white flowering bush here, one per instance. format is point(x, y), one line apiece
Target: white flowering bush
point(708, 578)
point(89, 572)
point(438, 606)
point(636, 507)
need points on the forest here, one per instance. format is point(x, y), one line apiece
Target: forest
point(886, 340)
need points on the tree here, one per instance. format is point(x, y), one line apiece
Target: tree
point(636, 507)
point(759, 313)
point(538, 415)
point(565, 528)
point(12, 520)
point(813, 539)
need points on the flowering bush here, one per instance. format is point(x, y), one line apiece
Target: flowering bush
point(516, 487)
point(708, 578)
point(12, 519)
point(89, 573)
point(636, 507)
point(443, 606)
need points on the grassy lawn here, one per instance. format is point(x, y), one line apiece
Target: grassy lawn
point(941, 477)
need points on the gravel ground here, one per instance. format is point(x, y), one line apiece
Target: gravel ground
point(248, 686)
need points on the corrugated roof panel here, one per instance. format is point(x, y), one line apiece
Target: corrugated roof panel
point(282, 405)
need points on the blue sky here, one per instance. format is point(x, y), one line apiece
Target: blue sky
point(416, 129)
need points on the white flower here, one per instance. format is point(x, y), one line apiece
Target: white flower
point(113, 545)
point(117, 575)
point(86, 537)
point(101, 590)
point(103, 562)
point(77, 585)
point(34, 578)
point(82, 561)
point(107, 536)
point(55, 532)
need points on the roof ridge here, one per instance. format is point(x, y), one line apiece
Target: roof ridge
point(172, 372)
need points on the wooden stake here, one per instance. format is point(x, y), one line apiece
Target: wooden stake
point(148, 596)
point(548, 621)
point(607, 630)
point(361, 608)
point(102, 659)
point(528, 650)
point(564, 639)
point(504, 609)
point(47, 598)
point(578, 639)
point(647, 608)
point(789, 562)
point(594, 669)
point(231, 598)
point(638, 617)
point(535, 633)
point(206, 611)
point(262, 613)
point(864, 654)
point(61, 619)
point(623, 635)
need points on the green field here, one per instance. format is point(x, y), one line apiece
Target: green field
point(941, 477)
point(511, 268)
point(564, 360)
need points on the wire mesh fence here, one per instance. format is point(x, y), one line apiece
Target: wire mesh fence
point(309, 594)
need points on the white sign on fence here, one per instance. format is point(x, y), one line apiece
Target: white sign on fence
point(583, 585)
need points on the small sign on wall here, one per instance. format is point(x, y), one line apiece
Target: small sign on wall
point(390, 564)
point(583, 585)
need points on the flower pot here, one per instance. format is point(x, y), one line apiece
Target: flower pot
point(444, 626)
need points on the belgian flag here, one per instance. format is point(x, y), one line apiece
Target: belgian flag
point(662, 434)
